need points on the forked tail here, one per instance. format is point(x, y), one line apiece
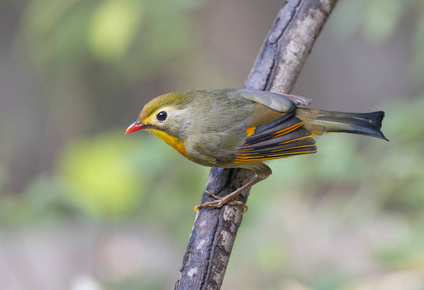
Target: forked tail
point(320, 122)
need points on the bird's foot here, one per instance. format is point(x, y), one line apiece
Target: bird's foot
point(220, 202)
point(228, 199)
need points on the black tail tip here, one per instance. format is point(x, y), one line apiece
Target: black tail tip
point(381, 136)
point(379, 115)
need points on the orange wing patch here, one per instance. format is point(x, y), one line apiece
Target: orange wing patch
point(284, 137)
point(250, 131)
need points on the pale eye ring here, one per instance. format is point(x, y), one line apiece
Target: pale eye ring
point(161, 116)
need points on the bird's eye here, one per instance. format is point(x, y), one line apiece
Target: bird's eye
point(161, 116)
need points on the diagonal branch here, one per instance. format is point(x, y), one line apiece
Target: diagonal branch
point(276, 69)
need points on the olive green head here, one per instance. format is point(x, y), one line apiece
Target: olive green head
point(167, 113)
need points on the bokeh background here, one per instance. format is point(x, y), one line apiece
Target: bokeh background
point(85, 207)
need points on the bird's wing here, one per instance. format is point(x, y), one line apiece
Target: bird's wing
point(283, 137)
point(279, 102)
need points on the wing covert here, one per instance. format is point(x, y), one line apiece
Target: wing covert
point(279, 102)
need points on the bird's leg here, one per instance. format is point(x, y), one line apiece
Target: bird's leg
point(228, 199)
point(231, 202)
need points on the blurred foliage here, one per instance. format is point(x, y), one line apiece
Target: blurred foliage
point(134, 37)
point(112, 28)
point(99, 178)
point(419, 49)
point(379, 20)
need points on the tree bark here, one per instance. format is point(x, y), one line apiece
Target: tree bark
point(276, 69)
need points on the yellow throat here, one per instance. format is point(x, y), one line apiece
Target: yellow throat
point(170, 140)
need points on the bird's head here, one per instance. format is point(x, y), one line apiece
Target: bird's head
point(166, 116)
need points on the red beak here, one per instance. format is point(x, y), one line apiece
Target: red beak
point(137, 125)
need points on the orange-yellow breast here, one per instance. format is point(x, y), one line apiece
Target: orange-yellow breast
point(171, 141)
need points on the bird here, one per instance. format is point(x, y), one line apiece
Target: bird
point(243, 128)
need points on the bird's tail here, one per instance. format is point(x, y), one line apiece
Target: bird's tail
point(320, 122)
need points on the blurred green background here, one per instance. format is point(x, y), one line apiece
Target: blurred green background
point(85, 207)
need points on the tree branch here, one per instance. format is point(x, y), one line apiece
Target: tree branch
point(276, 69)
